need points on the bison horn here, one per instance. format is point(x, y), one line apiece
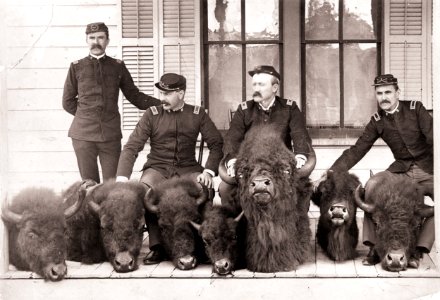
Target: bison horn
point(426, 212)
point(238, 218)
point(82, 191)
point(308, 167)
point(10, 216)
point(148, 202)
point(369, 208)
point(195, 225)
point(223, 174)
point(203, 196)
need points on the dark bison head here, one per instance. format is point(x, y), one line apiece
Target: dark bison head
point(37, 223)
point(335, 198)
point(121, 217)
point(220, 233)
point(176, 202)
point(397, 209)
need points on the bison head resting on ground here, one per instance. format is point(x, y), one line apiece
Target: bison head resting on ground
point(397, 208)
point(110, 226)
point(223, 232)
point(337, 232)
point(177, 202)
point(275, 201)
point(37, 221)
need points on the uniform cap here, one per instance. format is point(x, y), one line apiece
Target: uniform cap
point(96, 27)
point(265, 69)
point(171, 82)
point(385, 79)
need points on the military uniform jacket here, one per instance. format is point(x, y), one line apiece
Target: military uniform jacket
point(173, 137)
point(408, 133)
point(91, 94)
point(284, 114)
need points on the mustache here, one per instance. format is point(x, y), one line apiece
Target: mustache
point(163, 102)
point(96, 46)
point(384, 101)
point(257, 94)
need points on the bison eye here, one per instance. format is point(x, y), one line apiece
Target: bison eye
point(286, 172)
point(32, 234)
point(234, 237)
point(206, 242)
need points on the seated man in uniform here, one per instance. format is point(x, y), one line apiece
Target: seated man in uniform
point(265, 108)
point(406, 127)
point(173, 129)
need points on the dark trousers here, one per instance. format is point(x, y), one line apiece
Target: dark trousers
point(151, 178)
point(427, 233)
point(87, 154)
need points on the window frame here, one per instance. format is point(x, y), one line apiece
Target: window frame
point(337, 134)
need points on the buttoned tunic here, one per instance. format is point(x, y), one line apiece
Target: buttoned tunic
point(173, 136)
point(91, 93)
point(284, 114)
point(408, 133)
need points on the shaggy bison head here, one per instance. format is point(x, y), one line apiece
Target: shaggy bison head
point(37, 223)
point(397, 210)
point(223, 236)
point(176, 202)
point(120, 208)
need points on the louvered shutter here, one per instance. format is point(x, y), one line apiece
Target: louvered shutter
point(407, 26)
point(160, 37)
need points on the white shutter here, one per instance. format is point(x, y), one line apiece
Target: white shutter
point(137, 18)
point(407, 48)
point(160, 36)
point(140, 64)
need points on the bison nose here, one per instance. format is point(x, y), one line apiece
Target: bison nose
point(123, 262)
point(395, 261)
point(338, 212)
point(222, 266)
point(261, 183)
point(56, 272)
point(186, 262)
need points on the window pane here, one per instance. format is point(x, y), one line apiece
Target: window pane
point(267, 26)
point(359, 72)
point(224, 20)
point(224, 82)
point(321, 18)
point(260, 55)
point(358, 19)
point(322, 85)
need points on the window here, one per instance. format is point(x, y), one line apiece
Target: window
point(341, 55)
point(233, 43)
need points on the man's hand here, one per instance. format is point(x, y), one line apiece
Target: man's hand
point(319, 180)
point(300, 160)
point(205, 178)
point(230, 167)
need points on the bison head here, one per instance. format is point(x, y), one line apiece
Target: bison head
point(176, 202)
point(121, 217)
point(397, 210)
point(219, 231)
point(335, 198)
point(37, 223)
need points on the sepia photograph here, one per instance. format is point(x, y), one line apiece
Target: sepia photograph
point(212, 149)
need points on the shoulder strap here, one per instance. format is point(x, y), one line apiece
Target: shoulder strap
point(154, 110)
point(243, 105)
point(289, 102)
point(196, 110)
point(412, 105)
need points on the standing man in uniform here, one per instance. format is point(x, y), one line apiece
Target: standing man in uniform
point(265, 108)
point(406, 127)
point(91, 94)
point(173, 129)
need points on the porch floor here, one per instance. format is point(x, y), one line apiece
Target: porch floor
point(317, 266)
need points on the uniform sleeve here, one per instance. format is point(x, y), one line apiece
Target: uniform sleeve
point(214, 140)
point(70, 92)
point(235, 135)
point(132, 93)
point(302, 142)
point(425, 122)
point(134, 145)
point(355, 153)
